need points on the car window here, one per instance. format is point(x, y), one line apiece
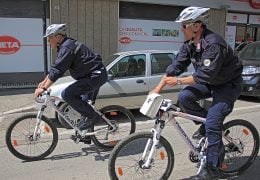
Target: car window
point(110, 59)
point(160, 61)
point(251, 52)
point(129, 66)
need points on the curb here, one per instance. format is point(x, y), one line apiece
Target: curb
point(19, 110)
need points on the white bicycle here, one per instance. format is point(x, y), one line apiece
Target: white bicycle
point(148, 155)
point(33, 136)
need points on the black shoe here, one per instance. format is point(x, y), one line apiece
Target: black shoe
point(77, 139)
point(88, 123)
point(207, 173)
point(200, 133)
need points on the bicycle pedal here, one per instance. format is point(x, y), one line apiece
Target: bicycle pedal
point(75, 139)
point(87, 141)
point(197, 165)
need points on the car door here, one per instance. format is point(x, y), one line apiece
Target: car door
point(128, 82)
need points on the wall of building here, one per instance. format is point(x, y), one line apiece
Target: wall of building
point(94, 22)
point(234, 5)
point(21, 21)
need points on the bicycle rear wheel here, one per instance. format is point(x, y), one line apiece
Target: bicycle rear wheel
point(20, 142)
point(241, 142)
point(126, 162)
point(119, 116)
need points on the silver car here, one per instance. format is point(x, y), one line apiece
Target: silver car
point(132, 75)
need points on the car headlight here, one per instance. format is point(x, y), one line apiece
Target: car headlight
point(249, 70)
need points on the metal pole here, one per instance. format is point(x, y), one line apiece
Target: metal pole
point(44, 39)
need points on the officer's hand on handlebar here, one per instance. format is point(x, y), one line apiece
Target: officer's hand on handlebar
point(38, 92)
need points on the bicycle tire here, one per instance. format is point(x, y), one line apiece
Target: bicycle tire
point(18, 142)
point(118, 113)
point(247, 130)
point(121, 150)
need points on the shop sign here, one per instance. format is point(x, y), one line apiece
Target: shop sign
point(255, 4)
point(230, 35)
point(135, 34)
point(21, 47)
point(254, 19)
point(125, 40)
point(236, 18)
point(9, 45)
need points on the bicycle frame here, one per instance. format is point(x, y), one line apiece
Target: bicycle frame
point(167, 115)
point(46, 98)
point(179, 129)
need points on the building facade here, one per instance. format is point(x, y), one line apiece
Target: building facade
point(109, 26)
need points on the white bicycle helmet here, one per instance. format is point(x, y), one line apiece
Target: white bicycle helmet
point(193, 14)
point(55, 29)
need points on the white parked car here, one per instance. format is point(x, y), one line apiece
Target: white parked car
point(132, 75)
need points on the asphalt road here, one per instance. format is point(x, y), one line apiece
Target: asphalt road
point(80, 161)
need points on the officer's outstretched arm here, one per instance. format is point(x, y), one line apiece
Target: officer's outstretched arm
point(160, 86)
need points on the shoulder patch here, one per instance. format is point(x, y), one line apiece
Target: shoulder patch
point(206, 62)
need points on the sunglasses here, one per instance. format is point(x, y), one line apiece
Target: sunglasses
point(184, 26)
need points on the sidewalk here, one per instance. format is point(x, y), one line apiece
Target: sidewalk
point(12, 100)
point(15, 98)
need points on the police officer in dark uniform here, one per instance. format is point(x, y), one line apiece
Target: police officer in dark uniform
point(84, 66)
point(217, 75)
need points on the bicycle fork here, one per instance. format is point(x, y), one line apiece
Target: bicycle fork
point(152, 143)
point(38, 122)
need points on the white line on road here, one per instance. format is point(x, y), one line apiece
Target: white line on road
point(247, 107)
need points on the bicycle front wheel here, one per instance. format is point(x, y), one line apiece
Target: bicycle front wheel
point(241, 142)
point(20, 141)
point(124, 122)
point(127, 158)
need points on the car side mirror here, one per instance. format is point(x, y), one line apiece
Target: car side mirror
point(110, 77)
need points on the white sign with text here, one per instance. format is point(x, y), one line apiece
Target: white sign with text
point(230, 35)
point(149, 34)
point(21, 45)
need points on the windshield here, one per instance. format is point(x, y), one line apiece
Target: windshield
point(251, 52)
point(110, 59)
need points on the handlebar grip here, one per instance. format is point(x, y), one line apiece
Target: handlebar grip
point(175, 108)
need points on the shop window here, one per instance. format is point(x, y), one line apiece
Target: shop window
point(240, 35)
point(258, 34)
point(130, 10)
point(250, 32)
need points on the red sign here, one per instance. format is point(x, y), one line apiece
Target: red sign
point(253, 3)
point(9, 45)
point(234, 17)
point(125, 40)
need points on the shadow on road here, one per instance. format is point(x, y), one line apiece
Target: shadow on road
point(100, 155)
point(249, 98)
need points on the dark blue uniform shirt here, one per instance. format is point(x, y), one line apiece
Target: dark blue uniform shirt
point(212, 57)
point(75, 57)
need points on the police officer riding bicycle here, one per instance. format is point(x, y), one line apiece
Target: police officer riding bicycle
point(217, 75)
point(84, 66)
